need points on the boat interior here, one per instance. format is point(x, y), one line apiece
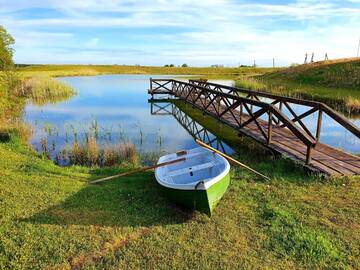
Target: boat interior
point(200, 165)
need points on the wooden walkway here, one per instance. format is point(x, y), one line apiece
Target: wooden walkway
point(266, 122)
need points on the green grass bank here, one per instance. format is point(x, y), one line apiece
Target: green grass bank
point(336, 83)
point(51, 218)
point(91, 70)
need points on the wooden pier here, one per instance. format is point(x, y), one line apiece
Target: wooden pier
point(261, 116)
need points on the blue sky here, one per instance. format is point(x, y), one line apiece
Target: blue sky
point(199, 33)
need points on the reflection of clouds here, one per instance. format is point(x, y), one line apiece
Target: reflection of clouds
point(332, 133)
point(87, 110)
point(121, 100)
point(224, 82)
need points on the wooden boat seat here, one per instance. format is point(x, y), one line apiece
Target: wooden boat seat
point(191, 169)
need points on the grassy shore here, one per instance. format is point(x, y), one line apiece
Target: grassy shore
point(90, 70)
point(336, 83)
point(51, 218)
point(333, 82)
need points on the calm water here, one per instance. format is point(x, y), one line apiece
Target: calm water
point(115, 105)
point(116, 108)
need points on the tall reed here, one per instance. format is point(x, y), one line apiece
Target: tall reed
point(42, 89)
point(91, 154)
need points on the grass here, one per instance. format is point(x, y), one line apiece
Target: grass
point(341, 73)
point(90, 154)
point(52, 219)
point(42, 89)
point(91, 70)
point(15, 91)
point(333, 82)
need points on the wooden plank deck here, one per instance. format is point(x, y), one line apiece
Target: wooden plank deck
point(280, 133)
point(325, 159)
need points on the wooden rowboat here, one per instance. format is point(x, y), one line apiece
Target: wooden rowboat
point(198, 182)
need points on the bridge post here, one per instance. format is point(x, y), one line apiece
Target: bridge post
point(280, 108)
point(241, 112)
point(151, 88)
point(269, 128)
point(318, 128)
point(308, 155)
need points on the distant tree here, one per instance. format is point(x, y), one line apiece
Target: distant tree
point(10, 79)
point(172, 65)
point(166, 65)
point(184, 65)
point(6, 50)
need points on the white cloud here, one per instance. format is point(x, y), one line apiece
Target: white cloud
point(92, 43)
point(216, 31)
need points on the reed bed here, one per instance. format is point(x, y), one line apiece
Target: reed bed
point(15, 91)
point(42, 89)
point(90, 144)
point(91, 154)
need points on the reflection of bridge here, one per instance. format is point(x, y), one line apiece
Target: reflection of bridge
point(196, 130)
point(262, 117)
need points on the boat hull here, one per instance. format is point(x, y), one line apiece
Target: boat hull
point(203, 200)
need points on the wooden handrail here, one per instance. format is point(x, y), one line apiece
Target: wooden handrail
point(307, 140)
point(304, 137)
point(228, 105)
point(215, 94)
point(304, 102)
point(343, 121)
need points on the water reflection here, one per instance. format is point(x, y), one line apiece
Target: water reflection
point(195, 129)
point(117, 107)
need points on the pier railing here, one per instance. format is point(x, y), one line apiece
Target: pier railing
point(281, 102)
point(247, 111)
point(234, 110)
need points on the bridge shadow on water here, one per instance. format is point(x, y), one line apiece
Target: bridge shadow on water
point(131, 201)
point(227, 140)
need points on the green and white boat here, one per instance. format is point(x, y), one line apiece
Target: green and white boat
point(198, 182)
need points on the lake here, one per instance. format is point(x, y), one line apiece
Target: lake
point(116, 108)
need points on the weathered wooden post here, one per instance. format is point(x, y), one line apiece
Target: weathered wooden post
point(241, 112)
point(151, 89)
point(318, 128)
point(280, 108)
point(308, 155)
point(269, 128)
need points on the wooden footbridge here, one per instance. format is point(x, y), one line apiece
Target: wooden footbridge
point(261, 116)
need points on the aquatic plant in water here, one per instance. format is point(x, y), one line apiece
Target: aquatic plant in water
point(42, 89)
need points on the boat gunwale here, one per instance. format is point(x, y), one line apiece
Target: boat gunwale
point(192, 186)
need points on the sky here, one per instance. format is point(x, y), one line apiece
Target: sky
point(199, 33)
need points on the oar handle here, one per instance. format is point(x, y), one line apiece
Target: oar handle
point(137, 171)
point(231, 159)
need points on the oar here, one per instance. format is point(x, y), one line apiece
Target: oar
point(231, 159)
point(137, 171)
